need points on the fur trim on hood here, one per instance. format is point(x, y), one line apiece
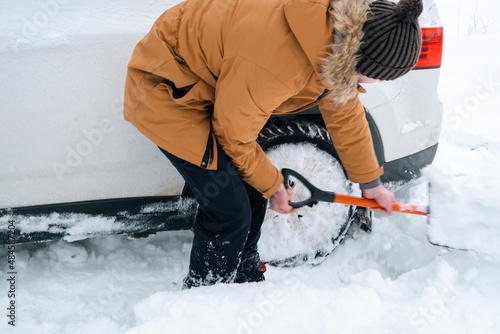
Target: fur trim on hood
point(339, 66)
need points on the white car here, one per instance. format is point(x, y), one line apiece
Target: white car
point(73, 168)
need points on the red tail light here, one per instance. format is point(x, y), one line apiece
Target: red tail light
point(432, 48)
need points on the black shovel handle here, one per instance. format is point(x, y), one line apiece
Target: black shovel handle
point(317, 195)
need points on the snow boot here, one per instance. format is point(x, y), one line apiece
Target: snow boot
point(255, 274)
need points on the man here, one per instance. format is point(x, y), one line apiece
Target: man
point(206, 78)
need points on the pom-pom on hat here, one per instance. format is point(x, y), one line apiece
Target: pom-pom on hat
point(392, 39)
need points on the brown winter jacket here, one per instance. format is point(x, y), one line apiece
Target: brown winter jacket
point(215, 70)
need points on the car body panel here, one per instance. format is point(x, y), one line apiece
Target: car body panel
point(411, 120)
point(65, 139)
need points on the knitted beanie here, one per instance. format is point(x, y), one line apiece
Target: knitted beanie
point(392, 39)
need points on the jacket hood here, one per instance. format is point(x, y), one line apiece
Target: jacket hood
point(338, 67)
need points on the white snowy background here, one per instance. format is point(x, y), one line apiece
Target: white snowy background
point(390, 281)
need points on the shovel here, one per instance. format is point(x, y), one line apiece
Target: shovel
point(455, 232)
point(318, 195)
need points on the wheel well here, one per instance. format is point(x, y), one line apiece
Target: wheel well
point(282, 130)
point(314, 115)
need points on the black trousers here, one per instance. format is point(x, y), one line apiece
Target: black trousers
point(228, 223)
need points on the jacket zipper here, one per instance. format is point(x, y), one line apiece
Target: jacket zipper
point(208, 156)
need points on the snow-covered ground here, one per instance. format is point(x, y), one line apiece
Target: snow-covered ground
point(390, 281)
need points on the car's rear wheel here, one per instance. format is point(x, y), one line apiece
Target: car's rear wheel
point(313, 232)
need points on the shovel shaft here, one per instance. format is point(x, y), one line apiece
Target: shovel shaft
point(370, 203)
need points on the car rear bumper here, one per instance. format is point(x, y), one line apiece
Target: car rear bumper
point(409, 167)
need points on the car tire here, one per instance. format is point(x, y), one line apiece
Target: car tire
point(312, 233)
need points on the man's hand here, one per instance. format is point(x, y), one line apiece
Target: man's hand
point(279, 200)
point(383, 197)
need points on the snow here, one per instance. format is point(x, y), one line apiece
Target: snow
point(390, 281)
point(411, 126)
point(55, 222)
point(461, 213)
point(77, 226)
point(37, 24)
